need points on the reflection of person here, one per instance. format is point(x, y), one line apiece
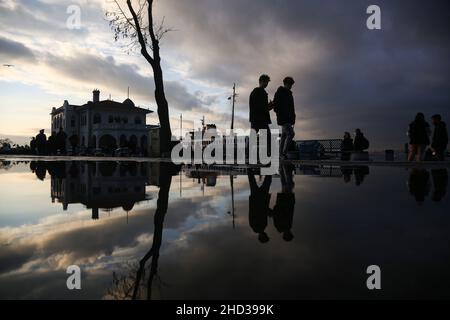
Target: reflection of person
point(419, 184)
point(259, 201)
point(283, 212)
point(39, 169)
point(440, 183)
point(360, 174)
point(347, 174)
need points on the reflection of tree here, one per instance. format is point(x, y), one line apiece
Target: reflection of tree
point(133, 285)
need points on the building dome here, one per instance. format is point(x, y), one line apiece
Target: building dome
point(129, 102)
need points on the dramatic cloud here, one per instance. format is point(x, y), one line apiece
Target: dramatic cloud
point(346, 75)
point(12, 51)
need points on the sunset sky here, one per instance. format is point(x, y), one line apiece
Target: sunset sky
point(346, 75)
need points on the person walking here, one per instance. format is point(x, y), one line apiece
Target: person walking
point(440, 138)
point(284, 108)
point(419, 137)
point(260, 107)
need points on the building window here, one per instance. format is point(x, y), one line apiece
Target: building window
point(110, 119)
point(72, 121)
point(97, 118)
point(125, 120)
point(83, 120)
point(137, 120)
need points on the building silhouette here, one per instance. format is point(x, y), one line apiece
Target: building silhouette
point(104, 125)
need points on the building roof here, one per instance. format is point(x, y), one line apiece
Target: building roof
point(109, 104)
point(127, 105)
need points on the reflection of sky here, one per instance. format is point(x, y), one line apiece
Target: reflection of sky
point(339, 229)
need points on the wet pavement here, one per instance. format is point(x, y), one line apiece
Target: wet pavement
point(309, 231)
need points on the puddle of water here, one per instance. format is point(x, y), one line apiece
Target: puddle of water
point(308, 232)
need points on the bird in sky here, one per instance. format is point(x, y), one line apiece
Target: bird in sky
point(8, 65)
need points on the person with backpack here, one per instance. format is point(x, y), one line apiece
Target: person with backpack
point(419, 137)
point(360, 143)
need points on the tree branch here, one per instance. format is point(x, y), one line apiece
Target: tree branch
point(141, 38)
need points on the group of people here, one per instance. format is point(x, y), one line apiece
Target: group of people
point(419, 133)
point(282, 104)
point(349, 145)
point(55, 144)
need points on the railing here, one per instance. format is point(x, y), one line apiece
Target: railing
point(317, 149)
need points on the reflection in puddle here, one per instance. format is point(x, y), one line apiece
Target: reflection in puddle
point(307, 232)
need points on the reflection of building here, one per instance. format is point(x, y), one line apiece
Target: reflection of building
point(103, 124)
point(102, 185)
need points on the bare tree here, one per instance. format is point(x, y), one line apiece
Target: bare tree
point(135, 23)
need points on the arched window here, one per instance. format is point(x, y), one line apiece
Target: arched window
point(138, 120)
point(97, 118)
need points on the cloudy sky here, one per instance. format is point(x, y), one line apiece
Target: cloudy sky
point(346, 75)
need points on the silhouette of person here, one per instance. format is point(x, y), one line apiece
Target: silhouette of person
point(440, 183)
point(419, 137)
point(259, 201)
point(346, 146)
point(51, 144)
point(260, 107)
point(360, 174)
point(440, 137)
point(33, 145)
point(283, 212)
point(73, 140)
point(361, 143)
point(284, 108)
point(419, 184)
point(61, 138)
point(41, 142)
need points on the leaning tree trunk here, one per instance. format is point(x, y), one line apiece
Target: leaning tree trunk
point(155, 62)
point(163, 109)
